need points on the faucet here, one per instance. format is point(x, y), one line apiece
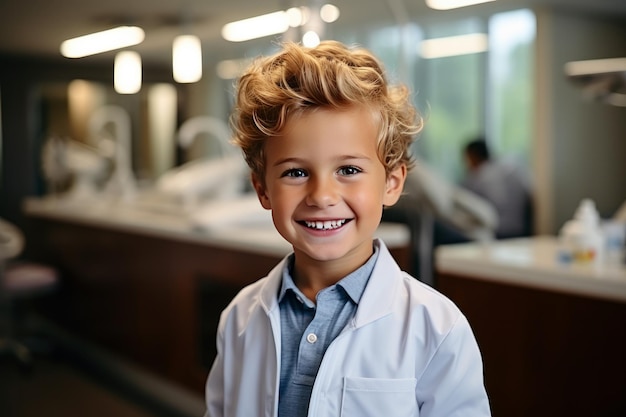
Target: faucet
point(217, 178)
point(191, 128)
point(122, 181)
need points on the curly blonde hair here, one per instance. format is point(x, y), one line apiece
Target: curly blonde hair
point(297, 80)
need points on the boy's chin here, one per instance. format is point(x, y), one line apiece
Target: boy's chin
point(328, 252)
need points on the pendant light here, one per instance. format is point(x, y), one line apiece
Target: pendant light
point(127, 72)
point(187, 59)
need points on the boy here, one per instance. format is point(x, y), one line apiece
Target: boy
point(335, 329)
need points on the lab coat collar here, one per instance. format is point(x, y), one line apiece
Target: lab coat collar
point(376, 302)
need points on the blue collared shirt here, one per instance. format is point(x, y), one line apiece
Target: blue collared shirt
point(307, 330)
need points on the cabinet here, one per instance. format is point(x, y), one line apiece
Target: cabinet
point(553, 338)
point(149, 289)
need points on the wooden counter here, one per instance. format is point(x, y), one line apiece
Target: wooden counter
point(553, 336)
point(149, 287)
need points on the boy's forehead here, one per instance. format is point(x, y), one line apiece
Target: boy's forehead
point(354, 126)
point(367, 114)
point(328, 134)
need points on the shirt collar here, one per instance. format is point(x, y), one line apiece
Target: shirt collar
point(353, 284)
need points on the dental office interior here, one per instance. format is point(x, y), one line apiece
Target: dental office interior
point(127, 221)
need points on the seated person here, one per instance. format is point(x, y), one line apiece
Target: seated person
point(503, 185)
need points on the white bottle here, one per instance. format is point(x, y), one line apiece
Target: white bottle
point(581, 238)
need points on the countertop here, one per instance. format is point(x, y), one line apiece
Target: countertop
point(532, 262)
point(258, 237)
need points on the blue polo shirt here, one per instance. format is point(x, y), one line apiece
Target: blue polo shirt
point(308, 329)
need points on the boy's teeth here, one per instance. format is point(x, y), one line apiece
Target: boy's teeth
point(325, 225)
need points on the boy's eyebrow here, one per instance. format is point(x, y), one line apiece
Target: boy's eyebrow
point(295, 160)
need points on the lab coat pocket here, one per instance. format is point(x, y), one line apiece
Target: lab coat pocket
point(376, 397)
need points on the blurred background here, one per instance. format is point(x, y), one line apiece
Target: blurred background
point(123, 184)
point(515, 91)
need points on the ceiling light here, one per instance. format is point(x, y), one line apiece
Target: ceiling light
point(298, 16)
point(127, 72)
point(310, 39)
point(454, 45)
point(274, 23)
point(187, 59)
point(329, 13)
point(256, 27)
point(452, 4)
point(108, 40)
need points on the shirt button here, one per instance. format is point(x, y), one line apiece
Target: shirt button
point(311, 338)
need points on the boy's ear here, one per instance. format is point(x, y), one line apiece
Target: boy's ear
point(395, 185)
point(261, 192)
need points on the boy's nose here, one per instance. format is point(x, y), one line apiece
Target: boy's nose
point(322, 192)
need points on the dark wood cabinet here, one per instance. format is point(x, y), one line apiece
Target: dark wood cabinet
point(151, 299)
point(545, 353)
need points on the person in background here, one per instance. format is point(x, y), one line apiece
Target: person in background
point(501, 184)
point(336, 328)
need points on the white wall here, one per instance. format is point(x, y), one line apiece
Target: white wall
point(580, 148)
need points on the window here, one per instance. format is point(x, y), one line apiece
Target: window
point(453, 88)
point(464, 95)
point(510, 87)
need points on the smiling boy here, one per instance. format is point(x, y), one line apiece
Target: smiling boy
point(336, 328)
point(326, 188)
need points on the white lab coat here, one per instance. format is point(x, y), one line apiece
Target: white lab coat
point(407, 352)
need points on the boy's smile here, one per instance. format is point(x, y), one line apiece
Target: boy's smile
point(326, 187)
point(324, 224)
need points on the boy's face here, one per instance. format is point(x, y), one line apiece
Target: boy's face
point(326, 186)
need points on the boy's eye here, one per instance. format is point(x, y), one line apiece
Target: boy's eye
point(349, 170)
point(295, 173)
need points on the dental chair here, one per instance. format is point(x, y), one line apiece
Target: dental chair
point(19, 281)
point(439, 212)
